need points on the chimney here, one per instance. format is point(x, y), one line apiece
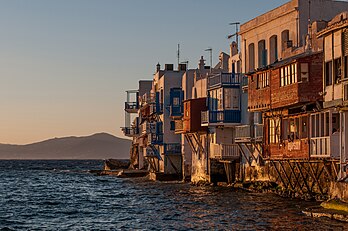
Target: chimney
point(158, 67)
point(201, 63)
point(182, 67)
point(233, 49)
point(169, 67)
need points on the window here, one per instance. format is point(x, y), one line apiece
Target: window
point(285, 129)
point(288, 74)
point(262, 53)
point(338, 74)
point(345, 92)
point(304, 127)
point(176, 101)
point(172, 125)
point(346, 66)
point(273, 53)
point(262, 80)
point(328, 73)
point(274, 130)
point(304, 77)
point(285, 40)
point(295, 128)
point(251, 57)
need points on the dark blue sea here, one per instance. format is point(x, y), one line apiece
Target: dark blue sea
point(63, 195)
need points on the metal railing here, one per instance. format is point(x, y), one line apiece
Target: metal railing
point(320, 146)
point(156, 139)
point(130, 131)
point(131, 106)
point(172, 149)
point(225, 116)
point(224, 79)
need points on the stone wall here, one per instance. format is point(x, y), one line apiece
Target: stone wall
point(339, 190)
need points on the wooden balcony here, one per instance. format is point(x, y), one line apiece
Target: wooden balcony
point(226, 151)
point(179, 126)
point(224, 80)
point(192, 115)
point(324, 147)
point(248, 133)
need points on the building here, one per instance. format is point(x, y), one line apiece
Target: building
point(282, 57)
point(132, 123)
point(330, 137)
point(162, 147)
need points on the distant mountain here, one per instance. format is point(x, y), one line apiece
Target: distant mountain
point(97, 146)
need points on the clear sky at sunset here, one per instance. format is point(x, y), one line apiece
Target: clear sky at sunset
point(65, 64)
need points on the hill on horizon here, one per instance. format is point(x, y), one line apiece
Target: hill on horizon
point(96, 146)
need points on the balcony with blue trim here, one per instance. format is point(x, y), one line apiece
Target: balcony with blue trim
point(176, 104)
point(224, 80)
point(221, 117)
point(130, 131)
point(155, 138)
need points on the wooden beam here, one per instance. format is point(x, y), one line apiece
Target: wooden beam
point(298, 165)
point(296, 177)
point(286, 175)
point(246, 158)
point(279, 174)
point(315, 178)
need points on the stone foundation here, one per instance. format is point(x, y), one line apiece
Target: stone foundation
point(339, 190)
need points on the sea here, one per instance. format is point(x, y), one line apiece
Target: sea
point(64, 195)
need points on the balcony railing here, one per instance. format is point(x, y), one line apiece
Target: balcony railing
point(147, 99)
point(205, 117)
point(320, 146)
point(172, 149)
point(179, 126)
point(227, 151)
point(131, 106)
point(130, 131)
point(224, 79)
point(248, 132)
point(156, 139)
point(244, 81)
point(176, 111)
point(258, 129)
point(243, 132)
point(225, 116)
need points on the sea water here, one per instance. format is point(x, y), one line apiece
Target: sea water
point(63, 195)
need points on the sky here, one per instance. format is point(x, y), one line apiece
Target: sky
point(65, 64)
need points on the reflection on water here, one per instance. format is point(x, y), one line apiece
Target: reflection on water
point(61, 195)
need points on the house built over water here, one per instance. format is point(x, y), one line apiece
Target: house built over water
point(273, 109)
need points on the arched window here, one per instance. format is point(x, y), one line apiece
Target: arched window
point(262, 53)
point(286, 40)
point(251, 57)
point(273, 49)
